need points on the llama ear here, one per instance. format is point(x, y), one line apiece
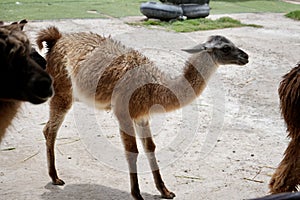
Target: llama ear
point(16, 26)
point(22, 23)
point(196, 49)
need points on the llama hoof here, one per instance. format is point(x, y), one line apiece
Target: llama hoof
point(170, 195)
point(137, 195)
point(58, 182)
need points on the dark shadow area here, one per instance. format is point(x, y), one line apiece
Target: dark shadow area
point(241, 0)
point(89, 191)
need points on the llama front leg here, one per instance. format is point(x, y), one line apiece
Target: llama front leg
point(58, 108)
point(144, 132)
point(287, 175)
point(131, 152)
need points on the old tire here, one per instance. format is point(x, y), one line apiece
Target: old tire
point(160, 11)
point(192, 11)
point(177, 2)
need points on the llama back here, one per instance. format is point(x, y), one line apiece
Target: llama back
point(73, 47)
point(97, 66)
point(110, 69)
point(107, 66)
point(119, 72)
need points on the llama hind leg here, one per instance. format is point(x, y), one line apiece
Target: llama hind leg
point(287, 175)
point(144, 131)
point(59, 106)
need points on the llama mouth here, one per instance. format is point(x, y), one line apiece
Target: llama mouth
point(242, 62)
point(38, 100)
point(41, 95)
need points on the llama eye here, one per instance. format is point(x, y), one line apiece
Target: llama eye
point(226, 49)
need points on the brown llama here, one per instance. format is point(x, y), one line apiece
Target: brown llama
point(22, 77)
point(104, 73)
point(287, 175)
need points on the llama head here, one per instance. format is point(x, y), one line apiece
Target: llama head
point(222, 50)
point(22, 76)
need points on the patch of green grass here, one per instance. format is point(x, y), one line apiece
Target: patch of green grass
point(251, 6)
point(294, 15)
point(196, 24)
point(66, 9)
point(63, 9)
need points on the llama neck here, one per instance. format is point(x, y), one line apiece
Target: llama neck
point(8, 110)
point(188, 86)
point(198, 70)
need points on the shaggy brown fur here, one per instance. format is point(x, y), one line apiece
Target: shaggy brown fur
point(287, 175)
point(21, 78)
point(105, 74)
point(8, 111)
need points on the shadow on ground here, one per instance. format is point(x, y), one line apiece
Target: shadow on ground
point(88, 192)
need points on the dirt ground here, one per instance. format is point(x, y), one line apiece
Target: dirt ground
point(225, 145)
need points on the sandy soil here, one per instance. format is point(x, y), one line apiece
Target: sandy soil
point(225, 145)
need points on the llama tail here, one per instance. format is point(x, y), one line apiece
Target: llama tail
point(50, 35)
point(287, 174)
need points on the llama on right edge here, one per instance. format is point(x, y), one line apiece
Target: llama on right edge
point(287, 176)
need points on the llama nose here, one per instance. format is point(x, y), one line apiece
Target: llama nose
point(43, 87)
point(246, 56)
